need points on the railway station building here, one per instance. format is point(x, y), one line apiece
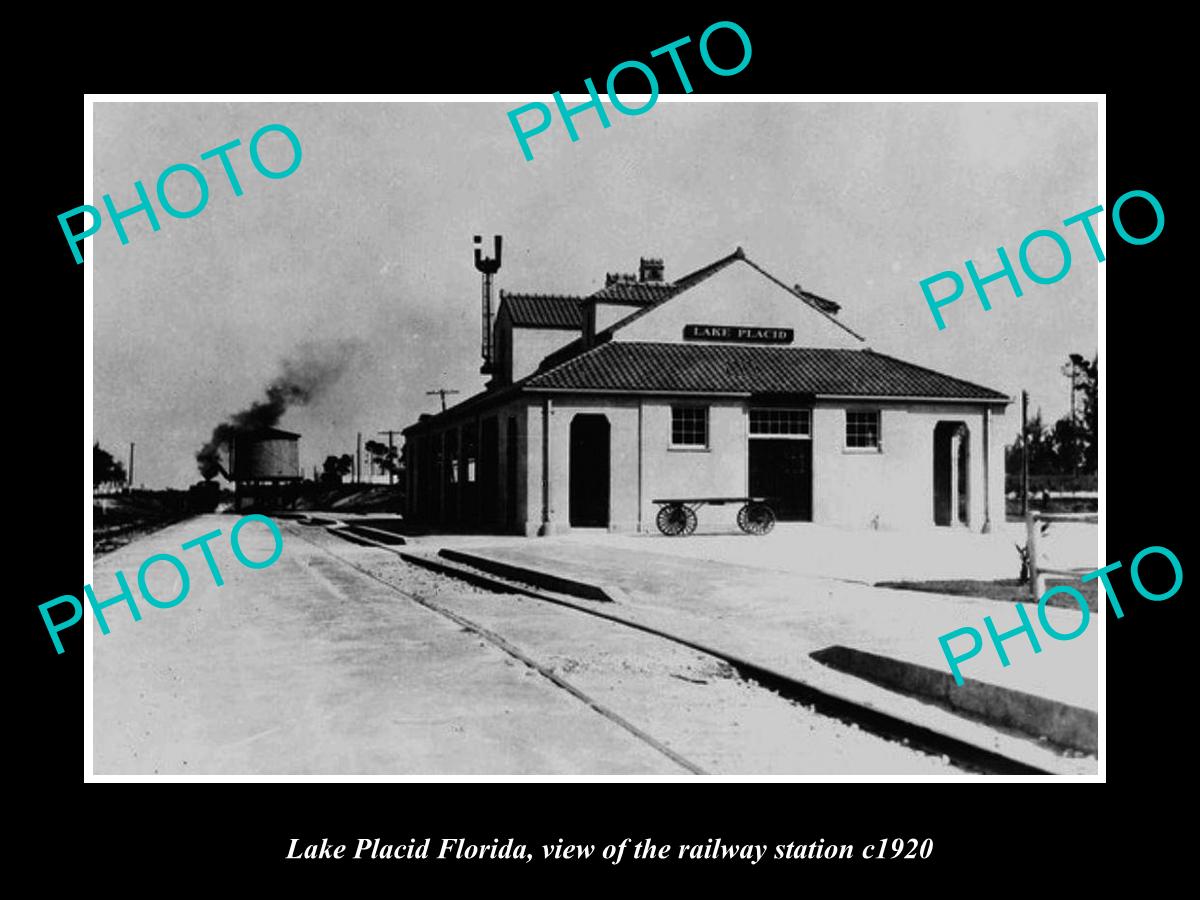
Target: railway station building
point(727, 382)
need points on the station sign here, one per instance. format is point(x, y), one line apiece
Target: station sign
point(738, 334)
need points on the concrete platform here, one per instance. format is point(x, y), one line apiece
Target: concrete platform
point(1065, 725)
point(779, 619)
point(820, 550)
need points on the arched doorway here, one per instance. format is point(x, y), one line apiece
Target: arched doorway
point(589, 471)
point(951, 473)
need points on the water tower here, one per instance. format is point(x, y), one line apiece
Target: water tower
point(266, 467)
point(489, 267)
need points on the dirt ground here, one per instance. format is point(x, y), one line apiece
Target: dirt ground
point(325, 663)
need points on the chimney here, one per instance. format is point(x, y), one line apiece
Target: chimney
point(651, 270)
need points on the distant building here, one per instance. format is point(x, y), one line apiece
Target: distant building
point(725, 382)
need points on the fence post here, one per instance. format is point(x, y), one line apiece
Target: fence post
point(1036, 587)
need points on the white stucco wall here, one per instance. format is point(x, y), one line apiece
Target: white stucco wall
point(531, 469)
point(999, 421)
point(719, 471)
point(608, 313)
point(531, 345)
point(853, 487)
point(622, 415)
point(519, 412)
point(892, 489)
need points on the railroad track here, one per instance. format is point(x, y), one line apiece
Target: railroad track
point(511, 650)
point(107, 538)
point(964, 755)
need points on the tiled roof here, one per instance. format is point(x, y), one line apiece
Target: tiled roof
point(735, 369)
point(639, 292)
point(543, 310)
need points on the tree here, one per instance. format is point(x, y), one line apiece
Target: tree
point(105, 469)
point(1071, 445)
point(1088, 415)
point(384, 457)
point(336, 467)
point(1043, 458)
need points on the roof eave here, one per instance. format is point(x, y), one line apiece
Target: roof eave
point(925, 399)
point(818, 396)
point(541, 326)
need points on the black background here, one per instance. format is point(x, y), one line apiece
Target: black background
point(231, 835)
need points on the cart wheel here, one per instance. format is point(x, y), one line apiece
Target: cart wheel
point(675, 519)
point(756, 518)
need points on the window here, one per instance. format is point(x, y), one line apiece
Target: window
point(862, 431)
point(689, 426)
point(796, 423)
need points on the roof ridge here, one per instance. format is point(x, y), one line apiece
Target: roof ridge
point(701, 273)
point(678, 287)
point(794, 293)
point(540, 296)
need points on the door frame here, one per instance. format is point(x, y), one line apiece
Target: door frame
point(806, 409)
point(592, 420)
point(951, 482)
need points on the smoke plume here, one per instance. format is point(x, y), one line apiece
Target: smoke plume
point(315, 367)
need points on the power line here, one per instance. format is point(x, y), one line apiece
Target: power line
point(441, 392)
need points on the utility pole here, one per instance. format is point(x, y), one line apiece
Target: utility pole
point(1072, 371)
point(1031, 553)
point(358, 461)
point(391, 453)
point(130, 465)
point(441, 392)
point(1024, 452)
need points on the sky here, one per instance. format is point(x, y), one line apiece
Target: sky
point(367, 246)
